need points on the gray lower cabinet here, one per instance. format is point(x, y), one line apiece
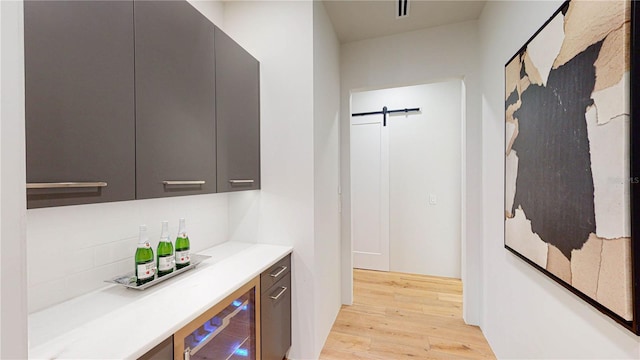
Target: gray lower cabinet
point(79, 97)
point(275, 314)
point(238, 116)
point(175, 100)
point(205, 338)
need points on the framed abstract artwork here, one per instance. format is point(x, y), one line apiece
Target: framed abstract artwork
point(572, 154)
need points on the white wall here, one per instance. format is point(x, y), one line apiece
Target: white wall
point(72, 249)
point(282, 211)
point(297, 204)
point(326, 109)
point(280, 35)
point(13, 289)
point(424, 160)
point(526, 315)
point(212, 9)
point(421, 57)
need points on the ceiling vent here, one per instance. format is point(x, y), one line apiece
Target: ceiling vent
point(402, 10)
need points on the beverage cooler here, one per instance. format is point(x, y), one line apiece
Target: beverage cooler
point(227, 331)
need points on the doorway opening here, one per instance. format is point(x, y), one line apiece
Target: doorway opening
point(407, 179)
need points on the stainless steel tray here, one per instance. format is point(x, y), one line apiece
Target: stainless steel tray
point(129, 279)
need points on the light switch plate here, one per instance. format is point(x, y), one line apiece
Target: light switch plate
point(433, 199)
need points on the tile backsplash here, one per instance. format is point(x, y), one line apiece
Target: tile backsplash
point(72, 249)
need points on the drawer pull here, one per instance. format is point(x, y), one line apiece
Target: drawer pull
point(282, 269)
point(235, 182)
point(59, 185)
point(283, 289)
point(186, 182)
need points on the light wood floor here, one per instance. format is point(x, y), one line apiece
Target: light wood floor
point(404, 316)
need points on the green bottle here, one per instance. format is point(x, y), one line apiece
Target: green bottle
point(145, 263)
point(165, 252)
point(182, 246)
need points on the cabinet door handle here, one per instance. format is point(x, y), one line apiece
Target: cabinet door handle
point(282, 269)
point(187, 354)
point(283, 289)
point(247, 181)
point(72, 184)
point(186, 182)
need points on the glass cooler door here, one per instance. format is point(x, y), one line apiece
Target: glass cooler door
point(225, 332)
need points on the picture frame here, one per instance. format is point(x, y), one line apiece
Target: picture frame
point(572, 154)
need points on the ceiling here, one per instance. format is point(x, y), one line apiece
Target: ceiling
point(364, 19)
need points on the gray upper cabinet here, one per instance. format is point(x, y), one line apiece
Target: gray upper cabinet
point(79, 97)
point(135, 100)
point(238, 116)
point(175, 100)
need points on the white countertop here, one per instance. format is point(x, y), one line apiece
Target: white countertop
point(119, 323)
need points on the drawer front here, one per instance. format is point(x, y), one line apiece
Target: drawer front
point(275, 307)
point(275, 273)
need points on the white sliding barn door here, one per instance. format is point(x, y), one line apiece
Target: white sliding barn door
point(370, 192)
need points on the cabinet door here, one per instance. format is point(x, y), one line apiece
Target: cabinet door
point(79, 102)
point(275, 323)
point(238, 116)
point(175, 100)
